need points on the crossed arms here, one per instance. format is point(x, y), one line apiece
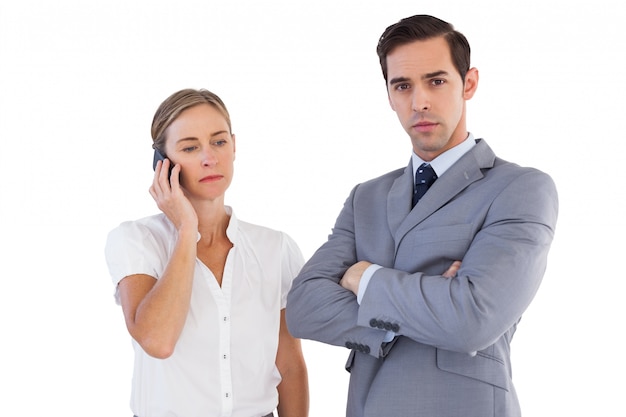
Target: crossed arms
point(502, 266)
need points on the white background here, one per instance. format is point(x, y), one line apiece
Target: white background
point(80, 81)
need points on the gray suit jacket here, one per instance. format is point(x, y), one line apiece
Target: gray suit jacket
point(451, 355)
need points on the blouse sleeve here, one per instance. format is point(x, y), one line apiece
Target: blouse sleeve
point(292, 262)
point(132, 248)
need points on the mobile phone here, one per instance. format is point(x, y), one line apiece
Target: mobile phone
point(158, 156)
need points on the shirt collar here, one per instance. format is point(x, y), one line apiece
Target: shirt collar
point(444, 161)
point(231, 229)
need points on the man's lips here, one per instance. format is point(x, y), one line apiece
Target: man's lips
point(211, 178)
point(425, 126)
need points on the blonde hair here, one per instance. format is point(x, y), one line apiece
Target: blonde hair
point(175, 104)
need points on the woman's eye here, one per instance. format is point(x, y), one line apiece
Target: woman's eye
point(189, 149)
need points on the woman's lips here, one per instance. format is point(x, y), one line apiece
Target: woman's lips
point(211, 178)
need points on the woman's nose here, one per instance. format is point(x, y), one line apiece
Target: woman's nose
point(209, 158)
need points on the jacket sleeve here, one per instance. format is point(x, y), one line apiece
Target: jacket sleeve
point(499, 276)
point(318, 308)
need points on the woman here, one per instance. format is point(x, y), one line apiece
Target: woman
point(203, 293)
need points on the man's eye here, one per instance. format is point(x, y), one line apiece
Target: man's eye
point(438, 82)
point(401, 87)
point(220, 142)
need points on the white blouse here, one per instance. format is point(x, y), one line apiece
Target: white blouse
point(224, 361)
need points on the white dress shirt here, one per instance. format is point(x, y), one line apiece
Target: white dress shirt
point(224, 361)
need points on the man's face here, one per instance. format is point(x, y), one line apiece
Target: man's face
point(428, 95)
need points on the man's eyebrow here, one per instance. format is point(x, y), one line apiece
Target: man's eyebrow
point(434, 74)
point(398, 80)
point(428, 76)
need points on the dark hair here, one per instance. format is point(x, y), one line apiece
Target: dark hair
point(423, 27)
point(175, 104)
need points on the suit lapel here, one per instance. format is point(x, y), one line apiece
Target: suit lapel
point(399, 199)
point(458, 177)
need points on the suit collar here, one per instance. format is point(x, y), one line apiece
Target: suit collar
point(444, 161)
point(459, 176)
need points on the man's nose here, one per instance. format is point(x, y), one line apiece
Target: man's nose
point(421, 100)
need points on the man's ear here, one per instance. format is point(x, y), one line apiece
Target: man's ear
point(390, 102)
point(471, 83)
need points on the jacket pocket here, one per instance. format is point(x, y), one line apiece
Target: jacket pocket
point(482, 367)
point(445, 234)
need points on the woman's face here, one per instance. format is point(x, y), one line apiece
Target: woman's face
point(199, 139)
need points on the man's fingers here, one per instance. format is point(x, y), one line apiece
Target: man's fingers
point(454, 268)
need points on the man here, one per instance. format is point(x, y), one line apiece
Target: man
point(428, 297)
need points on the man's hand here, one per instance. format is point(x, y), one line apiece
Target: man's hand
point(352, 278)
point(454, 268)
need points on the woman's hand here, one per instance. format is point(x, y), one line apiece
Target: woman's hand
point(170, 197)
